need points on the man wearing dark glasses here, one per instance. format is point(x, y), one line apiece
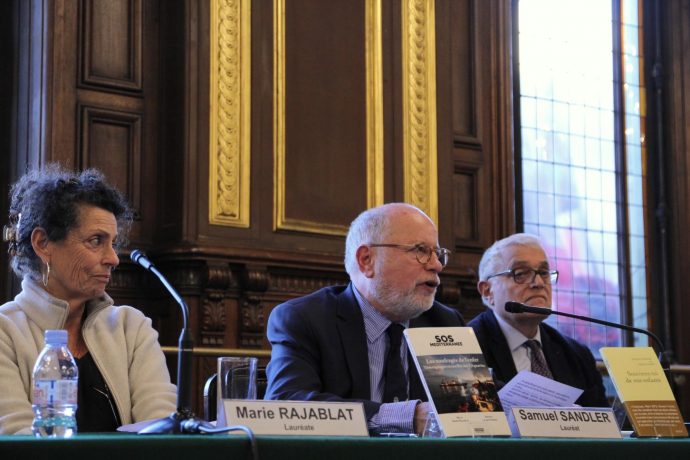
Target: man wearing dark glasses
point(517, 269)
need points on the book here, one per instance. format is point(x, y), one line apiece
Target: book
point(644, 390)
point(457, 381)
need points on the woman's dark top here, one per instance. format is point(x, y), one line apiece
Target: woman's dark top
point(96, 410)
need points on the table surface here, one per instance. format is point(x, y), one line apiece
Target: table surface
point(236, 447)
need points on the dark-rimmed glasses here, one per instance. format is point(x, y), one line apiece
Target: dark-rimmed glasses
point(421, 251)
point(528, 275)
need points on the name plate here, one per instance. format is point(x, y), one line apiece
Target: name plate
point(303, 418)
point(577, 422)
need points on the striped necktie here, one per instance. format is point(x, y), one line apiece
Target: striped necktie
point(537, 360)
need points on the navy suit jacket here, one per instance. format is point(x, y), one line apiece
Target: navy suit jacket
point(320, 348)
point(569, 361)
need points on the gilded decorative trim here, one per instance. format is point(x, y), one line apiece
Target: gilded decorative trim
point(279, 114)
point(229, 114)
point(374, 56)
point(419, 106)
point(374, 121)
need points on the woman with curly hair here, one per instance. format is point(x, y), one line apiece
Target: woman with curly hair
point(63, 232)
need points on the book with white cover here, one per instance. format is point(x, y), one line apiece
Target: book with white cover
point(457, 381)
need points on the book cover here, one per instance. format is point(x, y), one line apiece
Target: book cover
point(644, 391)
point(457, 381)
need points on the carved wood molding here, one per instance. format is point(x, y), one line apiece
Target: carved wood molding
point(208, 284)
point(188, 276)
point(419, 105)
point(213, 319)
point(121, 278)
point(252, 322)
point(255, 278)
point(230, 299)
point(255, 281)
point(229, 115)
point(301, 284)
point(214, 303)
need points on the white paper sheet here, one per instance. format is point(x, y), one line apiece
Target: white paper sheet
point(528, 389)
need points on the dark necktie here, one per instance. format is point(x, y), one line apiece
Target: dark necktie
point(395, 385)
point(536, 358)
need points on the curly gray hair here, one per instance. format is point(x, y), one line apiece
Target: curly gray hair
point(49, 198)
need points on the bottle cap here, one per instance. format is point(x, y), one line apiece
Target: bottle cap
point(56, 336)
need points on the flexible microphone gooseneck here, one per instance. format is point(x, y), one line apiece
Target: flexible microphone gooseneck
point(178, 422)
point(517, 307)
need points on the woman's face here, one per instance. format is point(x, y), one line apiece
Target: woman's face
point(80, 265)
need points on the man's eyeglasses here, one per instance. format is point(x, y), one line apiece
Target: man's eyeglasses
point(421, 251)
point(528, 275)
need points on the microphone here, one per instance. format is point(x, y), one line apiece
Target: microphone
point(182, 421)
point(517, 307)
point(140, 258)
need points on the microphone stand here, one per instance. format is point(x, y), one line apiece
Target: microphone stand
point(517, 307)
point(183, 420)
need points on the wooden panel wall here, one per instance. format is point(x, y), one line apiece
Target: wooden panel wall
point(247, 136)
point(245, 216)
point(315, 99)
point(475, 143)
point(101, 106)
point(675, 89)
point(325, 114)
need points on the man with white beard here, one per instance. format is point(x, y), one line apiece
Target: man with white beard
point(335, 344)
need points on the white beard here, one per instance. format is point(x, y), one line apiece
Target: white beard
point(401, 306)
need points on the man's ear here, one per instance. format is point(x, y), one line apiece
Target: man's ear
point(365, 261)
point(484, 288)
point(39, 241)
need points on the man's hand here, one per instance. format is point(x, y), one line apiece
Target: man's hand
point(421, 413)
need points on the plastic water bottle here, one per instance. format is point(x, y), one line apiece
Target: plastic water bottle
point(54, 398)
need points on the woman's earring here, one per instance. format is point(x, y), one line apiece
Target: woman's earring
point(46, 274)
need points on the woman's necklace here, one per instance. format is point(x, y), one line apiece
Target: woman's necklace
point(77, 345)
point(78, 348)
